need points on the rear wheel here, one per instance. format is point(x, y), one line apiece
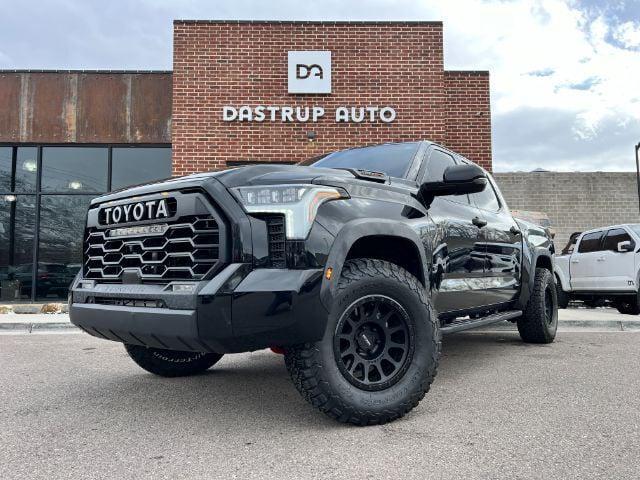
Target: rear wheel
point(380, 350)
point(539, 321)
point(171, 363)
point(629, 305)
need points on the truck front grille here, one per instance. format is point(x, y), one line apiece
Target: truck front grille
point(187, 250)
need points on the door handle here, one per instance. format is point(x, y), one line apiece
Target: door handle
point(575, 261)
point(514, 230)
point(478, 222)
point(600, 259)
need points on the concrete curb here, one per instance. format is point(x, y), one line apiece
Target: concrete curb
point(63, 326)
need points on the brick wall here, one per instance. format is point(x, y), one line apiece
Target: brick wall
point(574, 201)
point(397, 64)
point(468, 115)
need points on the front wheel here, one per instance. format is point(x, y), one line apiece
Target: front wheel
point(539, 320)
point(171, 363)
point(380, 351)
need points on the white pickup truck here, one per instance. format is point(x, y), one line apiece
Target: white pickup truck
point(601, 265)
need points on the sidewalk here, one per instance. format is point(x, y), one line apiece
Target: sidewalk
point(572, 319)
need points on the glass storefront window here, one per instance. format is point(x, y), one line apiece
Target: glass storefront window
point(62, 220)
point(17, 226)
point(69, 178)
point(6, 161)
point(133, 166)
point(26, 169)
point(74, 169)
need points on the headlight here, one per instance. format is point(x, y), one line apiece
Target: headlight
point(298, 203)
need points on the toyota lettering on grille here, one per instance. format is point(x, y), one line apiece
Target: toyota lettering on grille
point(136, 212)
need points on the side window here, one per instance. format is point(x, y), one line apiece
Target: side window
point(614, 237)
point(590, 242)
point(438, 163)
point(486, 199)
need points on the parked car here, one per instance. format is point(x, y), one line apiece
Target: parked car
point(352, 265)
point(601, 265)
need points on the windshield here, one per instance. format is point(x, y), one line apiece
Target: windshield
point(394, 159)
point(636, 229)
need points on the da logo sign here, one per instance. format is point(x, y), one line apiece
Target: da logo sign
point(309, 71)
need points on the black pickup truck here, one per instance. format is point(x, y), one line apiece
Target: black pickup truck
point(351, 264)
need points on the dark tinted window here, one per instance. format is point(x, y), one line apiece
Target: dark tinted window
point(17, 224)
point(26, 169)
point(394, 159)
point(5, 168)
point(614, 237)
point(438, 163)
point(62, 219)
point(590, 242)
point(132, 166)
point(486, 199)
point(74, 169)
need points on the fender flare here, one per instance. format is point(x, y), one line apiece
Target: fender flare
point(529, 274)
point(350, 234)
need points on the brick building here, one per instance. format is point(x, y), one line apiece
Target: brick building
point(240, 92)
point(398, 65)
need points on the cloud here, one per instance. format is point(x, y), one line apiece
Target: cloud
point(574, 64)
point(545, 72)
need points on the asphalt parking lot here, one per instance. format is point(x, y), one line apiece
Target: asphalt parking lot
point(72, 406)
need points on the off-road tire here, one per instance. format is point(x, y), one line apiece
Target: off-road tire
point(171, 363)
point(316, 370)
point(539, 320)
point(562, 296)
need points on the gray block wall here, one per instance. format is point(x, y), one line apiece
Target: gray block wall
point(574, 201)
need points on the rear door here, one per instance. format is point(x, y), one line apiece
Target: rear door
point(457, 262)
point(585, 264)
point(501, 244)
point(617, 269)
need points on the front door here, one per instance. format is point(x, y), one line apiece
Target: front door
point(457, 263)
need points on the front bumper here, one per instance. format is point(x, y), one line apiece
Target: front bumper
point(237, 311)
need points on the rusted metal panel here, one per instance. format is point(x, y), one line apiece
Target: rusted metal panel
point(51, 110)
point(150, 109)
point(85, 107)
point(10, 107)
point(102, 108)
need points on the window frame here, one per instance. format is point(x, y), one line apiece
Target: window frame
point(38, 193)
point(615, 229)
point(600, 243)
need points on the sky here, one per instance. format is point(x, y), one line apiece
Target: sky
point(565, 74)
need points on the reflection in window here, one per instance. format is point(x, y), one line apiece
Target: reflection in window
point(62, 219)
point(132, 166)
point(74, 169)
point(17, 224)
point(5, 168)
point(26, 169)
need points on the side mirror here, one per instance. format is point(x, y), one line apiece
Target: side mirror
point(457, 180)
point(625, 246)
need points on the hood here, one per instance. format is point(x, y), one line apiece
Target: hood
point(274, 174)
point(234, 177)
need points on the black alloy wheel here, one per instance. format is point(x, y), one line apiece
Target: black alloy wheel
point(374, 342)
